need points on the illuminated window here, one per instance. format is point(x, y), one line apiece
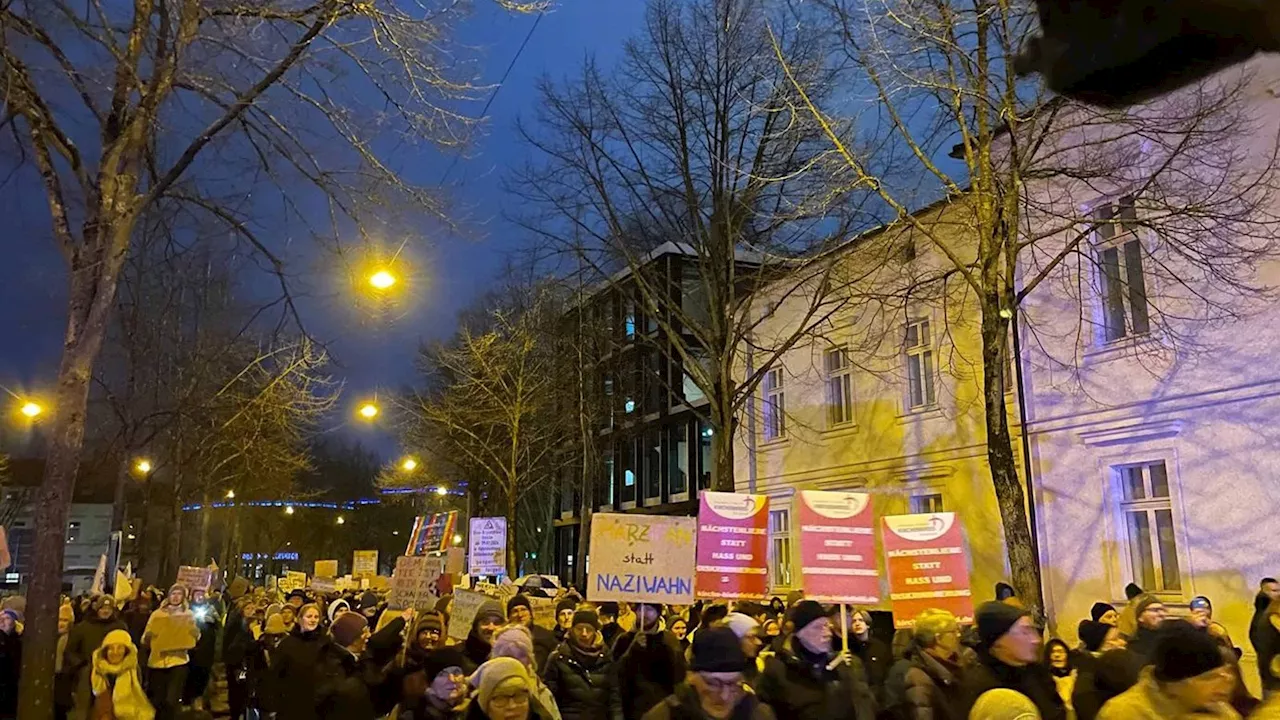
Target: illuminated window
point(678, 469)
point(1147, 514)
point(919, 358)
point(1122, 280)
point(926, 503)
point(780, 547)
point(839, 387)
point(775, 406)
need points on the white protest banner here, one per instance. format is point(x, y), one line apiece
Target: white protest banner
point(324, 584)
point(195, 578)
point(326, 568)
point(487, 546)
point(414, 582)
point(642, 558)
point(465, 605)
point(364, 563)
point(292, 580)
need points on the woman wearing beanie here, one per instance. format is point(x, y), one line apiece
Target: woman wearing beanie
point(170, 634)
point(437, 689)
point(504, 691)
point(115, 681)
point(1002, 704)
point(580, 673)
point(515, 641)
point(715, 687)
point(258, 662)
point(1188, 679)
point(294, 671)
point(85, 637)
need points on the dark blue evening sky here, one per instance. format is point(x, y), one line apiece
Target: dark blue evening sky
point(450, 271)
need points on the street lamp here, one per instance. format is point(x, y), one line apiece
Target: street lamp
point(409, 464)
point(368, 411)
point(341, 520)
point(288, 509)
point(143, 465)
point(231, 494)
point(31, 409)
point(382, 280)
point(442, 490)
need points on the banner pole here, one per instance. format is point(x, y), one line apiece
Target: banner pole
point(844, 626)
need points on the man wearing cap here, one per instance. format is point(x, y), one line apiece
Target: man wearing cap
point(1009, 657)
point(565, 609)
point(715, 686)
point(1188, 678)
point(580, 673)
point(1148, 613)
point(807, 680)
point(445, 695)
point(479, 641)
point(650, 662)
point(520, 612)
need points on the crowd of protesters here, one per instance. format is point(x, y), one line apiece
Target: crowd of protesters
point(305, 656)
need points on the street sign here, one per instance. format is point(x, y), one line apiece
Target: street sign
point(487, 553)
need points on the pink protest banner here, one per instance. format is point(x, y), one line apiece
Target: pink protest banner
point(733, 546)
point(928, 566)
point(837, 547)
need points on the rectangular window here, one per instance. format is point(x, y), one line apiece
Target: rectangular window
point(606, 481)
point(775, 405)
point(629, 462)
point(629, 319)
point(678, 461)
point(780, 548)
point(1148, 524)
point(704, 454)
point(653, 466)
point(926, 503)
point(839, 387)
point(1123, 284)
point(919, 357)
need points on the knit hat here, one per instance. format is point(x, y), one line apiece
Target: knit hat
point(296, 593)
point(431, 621)
point(1143, 603)
point(1099, 609)
point(1132, 591)
point(517, 601)
point(495, 672)
point(441, 659)
point(347, 629)
point(238, 588)
point(741, 624)
point(565, 604)
point(717, 649)
point(512, 640)
point(994, 619)
point(805, 612)
point(1200, 602)
point(368, 601)
point(1092, 633)
point(488, 609)
point(586, 616)
point(13, 614)
point(1004, 591)
point(337, 605)
point(1004, 704)
point(1181, 651)
point(275, 625)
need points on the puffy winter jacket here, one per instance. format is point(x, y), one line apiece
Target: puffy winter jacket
point(799, 685)
point(295, 674)
point(585, 685)
point(649, 669)
point(931, 689)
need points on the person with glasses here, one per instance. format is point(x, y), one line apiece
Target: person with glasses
point(1188, 678)
point(937, 663)
point(715, 686)
point(503, 691)
point(807, 680)
point(1009, 657)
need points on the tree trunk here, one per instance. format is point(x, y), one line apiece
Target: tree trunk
point(117, 501)
point(512, 566)
point(722, 460)
point(91, 287)
point(1024, 565)
point(206, 516)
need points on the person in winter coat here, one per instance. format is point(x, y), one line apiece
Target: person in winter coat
point(10, 662)
point(1268, 644)
point(503, 691)
point(806, 680)
point(580, 673)
point(64, 681)
point(116, 682)
point(610, 630)
point(428, 636)
point(565, 609)
point(200, 667)
point(237, 644)
point(1094, 683)
point(444, 692)
point(514, 641)
point(1104, 613)
point(520, 612)
point(85, 637)
point(294, 673)
point(489, 617)
point(936, 665)
point(1188, 679)
point(136, 615)
point(872, 651)
point(353, 685)
point(715, 687)
point(1268, 590)
point(171, 633)
point(1057, 658)
point(1149, 613)
point(650, 663)
point(1009, 657)
point(261, 683)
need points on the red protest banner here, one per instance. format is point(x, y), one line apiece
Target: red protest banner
point(928, 566)
point(733, 546)
point(837, 547)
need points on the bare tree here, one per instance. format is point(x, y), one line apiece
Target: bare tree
point(1043, 191)
point(694, 139)
point(217, 106)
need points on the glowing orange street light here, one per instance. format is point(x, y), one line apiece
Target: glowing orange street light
point(144, 466)
point(409, 464)
point(382, 280)
point(31, 409)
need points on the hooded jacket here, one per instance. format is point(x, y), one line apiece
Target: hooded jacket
point(1032, 680)
point(87, 636)
point(352, 688)
point(683, 705)
point(294, 674)
point(584, 683)
point(121, 680)
point(649, 670)
point(802, 685)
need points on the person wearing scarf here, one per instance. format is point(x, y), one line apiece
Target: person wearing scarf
point(515, 641)
point(171, 633)
point(650, 662)
point(117, 687)
point(807, 680)
point(580, 673)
